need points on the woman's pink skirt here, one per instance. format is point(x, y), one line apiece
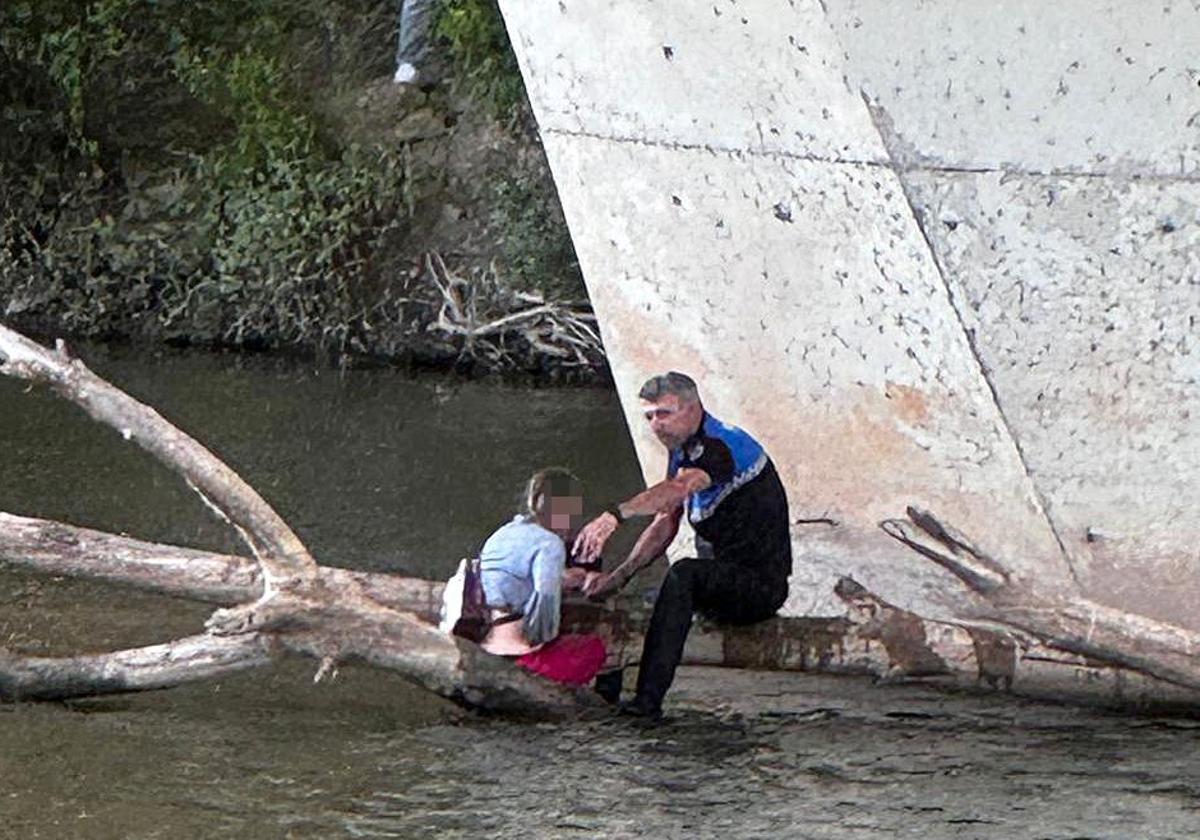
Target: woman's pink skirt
point(570, 659)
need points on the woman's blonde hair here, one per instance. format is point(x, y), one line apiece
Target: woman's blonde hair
point(550, 483)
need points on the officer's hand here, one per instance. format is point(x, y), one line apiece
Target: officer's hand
point(573, 578)
point(592, 538)
point(600, 585)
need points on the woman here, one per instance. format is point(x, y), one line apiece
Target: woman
point(523, 570)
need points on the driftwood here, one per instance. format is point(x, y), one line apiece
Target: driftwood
point(282, 601)
point(875, 638)
point(1001, 604)
point(498, 325)
point(800, 644)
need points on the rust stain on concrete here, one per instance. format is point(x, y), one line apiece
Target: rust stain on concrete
point(648, 346)
point(909, 404)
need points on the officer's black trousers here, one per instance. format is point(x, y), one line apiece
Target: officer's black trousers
point(725, 591)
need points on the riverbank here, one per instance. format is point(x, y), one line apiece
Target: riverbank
point(176, 176)
point(473, 328)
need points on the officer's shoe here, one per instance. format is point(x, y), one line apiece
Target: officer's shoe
point(642, 710)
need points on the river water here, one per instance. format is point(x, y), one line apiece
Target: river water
point(385, 471)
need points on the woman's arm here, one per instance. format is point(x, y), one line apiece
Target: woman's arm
point(544, 606)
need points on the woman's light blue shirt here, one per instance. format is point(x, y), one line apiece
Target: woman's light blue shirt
point(522, 567)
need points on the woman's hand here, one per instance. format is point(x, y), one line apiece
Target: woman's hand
point(592, 537)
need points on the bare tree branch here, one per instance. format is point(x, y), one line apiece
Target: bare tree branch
point(954, 540)
point(140, 669)
point(61, 549)
point(285, 560)
point(551, 328)
point(977, 577)
point(1074, 624)
point(58, 548)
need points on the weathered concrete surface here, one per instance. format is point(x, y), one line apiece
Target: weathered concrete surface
point(1084, 296)
point(1055, 171)
point(927, 253)
point(731, 78)
point(1084, 86)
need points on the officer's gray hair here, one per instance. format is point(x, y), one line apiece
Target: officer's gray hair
point(672, 382)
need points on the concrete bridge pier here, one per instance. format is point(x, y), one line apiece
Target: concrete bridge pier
point(930, 253)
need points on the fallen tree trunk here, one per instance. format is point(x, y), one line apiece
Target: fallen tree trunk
point(226, 579)
point(61, 549)
point(140, 669)
point(875, 638)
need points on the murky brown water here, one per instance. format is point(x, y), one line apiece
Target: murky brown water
point(378, 470)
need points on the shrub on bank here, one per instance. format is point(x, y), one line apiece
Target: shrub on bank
point(246, 226)
point(166, 174)
point(486, 67)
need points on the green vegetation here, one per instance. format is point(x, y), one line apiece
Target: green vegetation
point(191, 171)
point(167, 178)
point(485, 65)
point(534, 241)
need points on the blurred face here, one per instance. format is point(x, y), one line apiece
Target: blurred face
point(672, 419)
point(565, 514)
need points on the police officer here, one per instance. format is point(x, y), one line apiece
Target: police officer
point(725, 482)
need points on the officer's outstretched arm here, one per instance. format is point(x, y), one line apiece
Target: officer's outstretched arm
point(662, 498)
point(649, 547)
point(669, 494)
